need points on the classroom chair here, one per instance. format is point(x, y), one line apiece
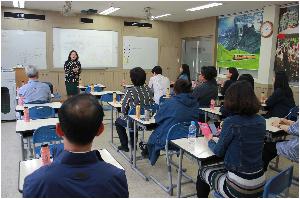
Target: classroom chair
point(179, 130)
point(41, 112)
point(96, 89)
point(46, 135)
point(279, 184)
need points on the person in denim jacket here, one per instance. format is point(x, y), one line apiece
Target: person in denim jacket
point(241, 144)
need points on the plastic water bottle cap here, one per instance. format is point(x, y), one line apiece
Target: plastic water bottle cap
point(193, 122)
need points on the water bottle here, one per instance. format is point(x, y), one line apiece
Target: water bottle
point(192, 133)
point(212, 104)
point(26, 117)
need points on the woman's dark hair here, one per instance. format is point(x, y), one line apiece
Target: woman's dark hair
point(234, 72)
point(69, 57)
point(182, 86)
point(282, 82)
point(185, 70)
point(247, 77)
point(138, 76)
point(209, 72)
point(240, 99)
point(157, 70)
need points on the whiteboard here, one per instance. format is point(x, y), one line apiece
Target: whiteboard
point(24, 48)
point(96, 49)
point(140, 52)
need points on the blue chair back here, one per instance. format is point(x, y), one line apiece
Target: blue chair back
point(109, 97)
point(278, 183)
point(293, 114)
point(46, 135)
point(41, 112)
point(96, 89)
point(179, 130)
point(132, 111)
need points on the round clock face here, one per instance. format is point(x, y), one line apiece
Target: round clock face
point(266, 29)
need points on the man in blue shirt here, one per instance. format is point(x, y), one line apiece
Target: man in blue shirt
point(34, 91)
point(77, 171)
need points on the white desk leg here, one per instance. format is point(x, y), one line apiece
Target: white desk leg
point(134, 145)
point(179, 174)
point(112, 124)
point(130, 148)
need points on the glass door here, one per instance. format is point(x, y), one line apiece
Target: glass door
point(197, 52)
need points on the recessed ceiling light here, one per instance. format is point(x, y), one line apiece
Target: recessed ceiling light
point(156, 17)
point(109, 10)
point(204, 6)
point(16, 3)
point(22, 4)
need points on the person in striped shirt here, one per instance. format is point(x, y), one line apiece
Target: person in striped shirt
point(139, 94)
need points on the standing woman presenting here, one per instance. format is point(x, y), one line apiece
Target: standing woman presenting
point(72, 69)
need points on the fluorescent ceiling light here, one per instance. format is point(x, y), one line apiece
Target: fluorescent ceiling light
point(16, 3)
point(204, 6)
point(156, 17)
point(22, 4)
point(109, 10)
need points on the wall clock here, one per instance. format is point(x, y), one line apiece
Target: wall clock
point(266, 29)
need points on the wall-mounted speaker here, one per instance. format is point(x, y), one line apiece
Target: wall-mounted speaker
point(86, 20)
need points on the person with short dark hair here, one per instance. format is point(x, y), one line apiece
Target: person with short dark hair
point(182, 107)
point(158, 83)
point(282, 100)
point(232, 76)
point(241, 144)
point(208, 89)
point(34, 92)
point(77, 171)
point(247, 77)
point(72, 69)
point(139, 94)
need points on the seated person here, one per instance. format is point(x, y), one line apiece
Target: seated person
point(77, 171)
point(158, 83)
point(182, 107)
point(34, 91)
point(139, 94)
point(243, 77)
point(241, 144)
point(282, 100)
point(208, 89)
point(247, 77)
point(232, 76)
point(286, 148)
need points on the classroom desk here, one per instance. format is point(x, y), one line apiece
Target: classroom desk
point(82, 88)
point(99, 94)
point(127, 86)
point(272, 131)
point(146, 124)
point(114, 106)
point(24, 127)
point(29, 166)
point(207, 111)
point(200, 151)
point(55, 105)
